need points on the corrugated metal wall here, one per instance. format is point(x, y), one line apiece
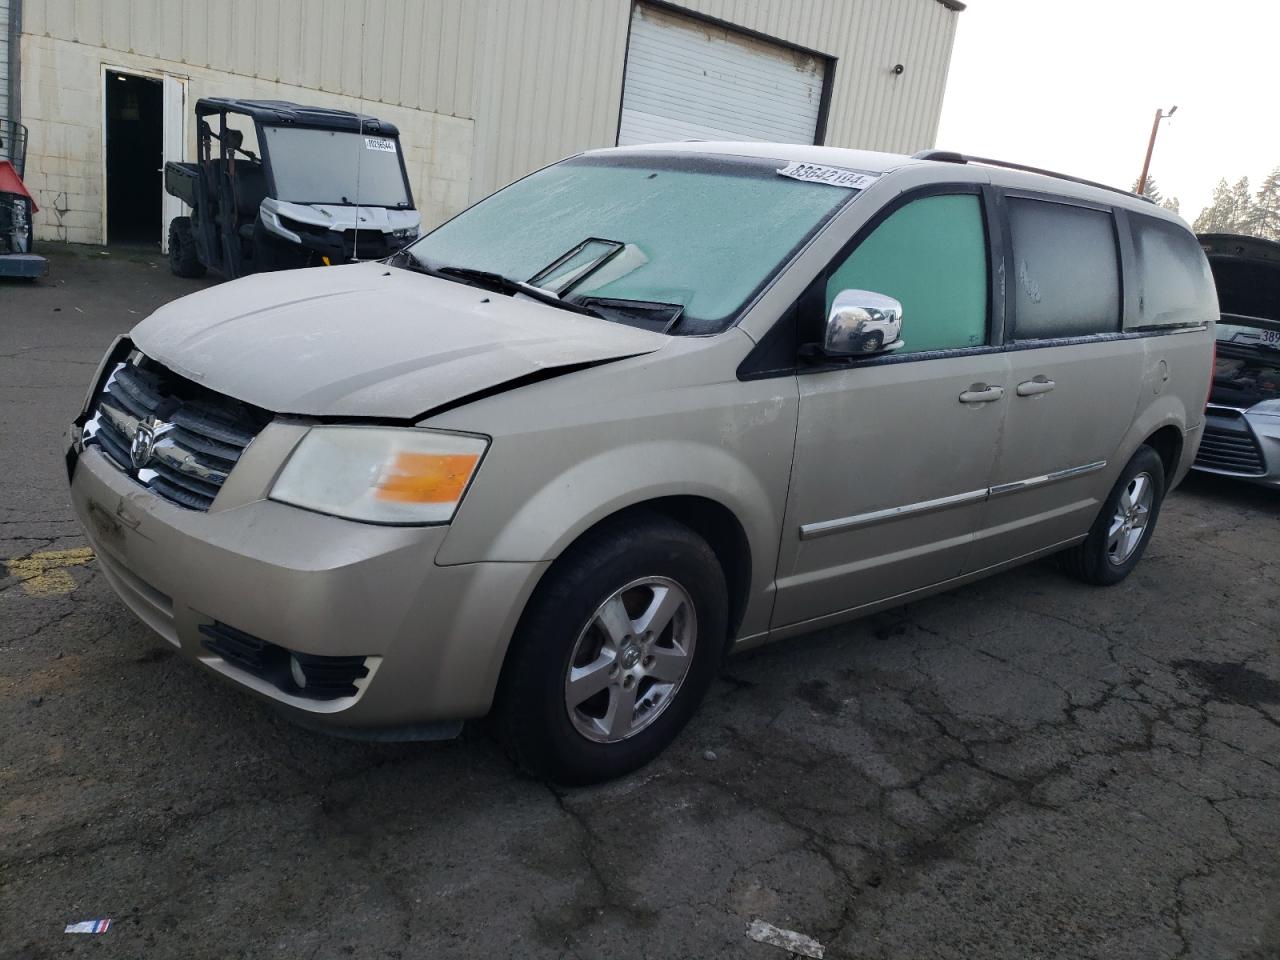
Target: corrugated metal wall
point(4, 58)
point(551, 84)
point(870, 106)
point(540, 78)
point(552, 78)
point(415, 53)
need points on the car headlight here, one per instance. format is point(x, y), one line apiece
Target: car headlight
point(380, 474)
point(406, 233)
point(1268, 408)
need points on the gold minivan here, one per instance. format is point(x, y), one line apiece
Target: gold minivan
point(642, 408)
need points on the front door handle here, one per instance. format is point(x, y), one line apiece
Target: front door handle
point(1035, 386)
point(982, 393)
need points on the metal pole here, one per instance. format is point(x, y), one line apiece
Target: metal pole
point(1151, 146)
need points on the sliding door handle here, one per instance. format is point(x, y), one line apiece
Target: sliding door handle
point(1035, 386)
point(982, 393)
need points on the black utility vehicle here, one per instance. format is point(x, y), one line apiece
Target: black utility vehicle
point(329, 187)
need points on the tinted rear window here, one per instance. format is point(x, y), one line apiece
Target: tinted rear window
point(1066, 270)
point(1174, 282)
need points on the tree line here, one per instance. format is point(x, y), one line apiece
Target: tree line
point(1152, 193)
point(1236, 208)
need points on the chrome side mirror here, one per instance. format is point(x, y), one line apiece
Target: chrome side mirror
point(862, 323)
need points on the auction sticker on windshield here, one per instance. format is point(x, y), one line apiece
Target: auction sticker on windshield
point(835, 176)
point(380, 143)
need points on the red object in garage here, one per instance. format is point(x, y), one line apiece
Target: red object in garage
point(10, 182)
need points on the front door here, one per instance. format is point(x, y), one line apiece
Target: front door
point(894, 454)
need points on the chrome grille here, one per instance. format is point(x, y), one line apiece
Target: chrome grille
point(169, 434)
point(1228, 444)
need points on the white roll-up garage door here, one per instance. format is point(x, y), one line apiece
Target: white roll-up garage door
point(691, 80)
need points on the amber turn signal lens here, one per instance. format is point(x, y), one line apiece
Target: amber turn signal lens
point(426, 477)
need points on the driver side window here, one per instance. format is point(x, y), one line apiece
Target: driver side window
point(931, 256)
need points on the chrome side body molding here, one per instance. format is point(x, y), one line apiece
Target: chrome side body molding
point(824, 528)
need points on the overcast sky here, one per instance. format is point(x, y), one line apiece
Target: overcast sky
point(1073, 86)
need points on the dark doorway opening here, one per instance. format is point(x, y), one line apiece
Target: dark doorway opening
point(135, 158)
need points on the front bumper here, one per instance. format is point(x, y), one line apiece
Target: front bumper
point(1242, 445)
point(435, 636)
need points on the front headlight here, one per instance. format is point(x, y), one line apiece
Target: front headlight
point(380, 474)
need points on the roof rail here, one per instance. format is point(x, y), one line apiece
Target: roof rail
point(948, 156)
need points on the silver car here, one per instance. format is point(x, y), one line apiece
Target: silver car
point(640, 409)
point(1242, 422)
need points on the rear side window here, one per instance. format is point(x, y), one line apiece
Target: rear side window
point(1066, 270)
point(931, 256)
point(1174, 282)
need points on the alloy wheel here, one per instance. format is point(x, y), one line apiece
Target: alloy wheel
point(1129, 522)
point(630, 659)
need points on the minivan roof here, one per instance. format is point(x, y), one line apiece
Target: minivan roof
point(878, 164)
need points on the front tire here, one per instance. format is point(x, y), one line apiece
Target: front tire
point(615, 651)
point(184, 259)
point(872, 342)
point(1124, 526)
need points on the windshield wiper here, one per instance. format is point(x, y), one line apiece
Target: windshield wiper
point(496, 282)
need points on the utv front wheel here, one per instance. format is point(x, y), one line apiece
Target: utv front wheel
point(615, 652)
point(184, 260)
point(1124, 526)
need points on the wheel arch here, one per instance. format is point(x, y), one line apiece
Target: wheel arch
point(722, 530)
point(1167, 442)
point(710, 519)
point(1161, 425)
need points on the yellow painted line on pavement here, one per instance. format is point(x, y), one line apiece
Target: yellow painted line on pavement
point(45, 574)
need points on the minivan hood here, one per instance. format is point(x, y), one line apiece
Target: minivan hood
point(368, 340)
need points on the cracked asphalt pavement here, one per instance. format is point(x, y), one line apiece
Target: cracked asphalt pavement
point(1024, 768)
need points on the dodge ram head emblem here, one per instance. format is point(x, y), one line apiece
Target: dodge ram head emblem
point(144, 440)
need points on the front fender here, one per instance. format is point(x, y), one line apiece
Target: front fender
point(571, 452)
point(568, 504)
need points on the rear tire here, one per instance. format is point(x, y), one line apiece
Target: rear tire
point(1124, 526)
point(184, 259)
point(637, 566)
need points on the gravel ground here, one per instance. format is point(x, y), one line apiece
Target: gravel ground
point(1025, 768)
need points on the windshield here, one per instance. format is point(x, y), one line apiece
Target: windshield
point(704, 233)
point(335, 166)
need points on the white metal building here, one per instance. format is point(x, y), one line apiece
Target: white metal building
point(8, 80)
point(483, 91)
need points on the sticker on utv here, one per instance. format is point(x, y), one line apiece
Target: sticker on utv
point(379, 143)
point(835, 176)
